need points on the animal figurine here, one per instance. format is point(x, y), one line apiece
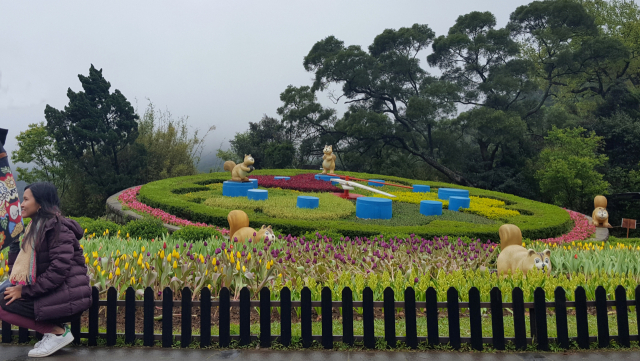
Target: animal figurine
point(328, 159)
point(239, 172)
point(239, 228)
point(513, 256)
point(600, 216)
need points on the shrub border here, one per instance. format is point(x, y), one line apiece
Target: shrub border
point(545, 221)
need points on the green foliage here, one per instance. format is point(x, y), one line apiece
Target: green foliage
point(147, 228)
point(171, 150)
point(99, 226)
point(567, 168)
point(282, 204)
point(36, 146)
point(321, 233)
point(193, 233)
point(537, 220)
point(267, 142)
point(96, 133)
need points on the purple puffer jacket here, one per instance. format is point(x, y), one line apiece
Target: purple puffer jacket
point(62, 287)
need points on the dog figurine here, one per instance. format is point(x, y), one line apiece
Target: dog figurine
point(513, 256)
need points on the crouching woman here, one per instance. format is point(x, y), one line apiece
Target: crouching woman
point(48, 283)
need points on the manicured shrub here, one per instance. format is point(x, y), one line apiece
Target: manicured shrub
point(146, 228)
point(194, 234)
point(99, 227)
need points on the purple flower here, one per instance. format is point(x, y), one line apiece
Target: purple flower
point(218, 250)
point(205, 243)
point(416, 280)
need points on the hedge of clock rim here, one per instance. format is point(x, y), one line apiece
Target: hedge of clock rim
point(537, 220)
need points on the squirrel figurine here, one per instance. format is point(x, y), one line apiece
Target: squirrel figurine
point(328, 159)
point(600, 216)
point(239, 228)
point(239, 172)
point(513, 256)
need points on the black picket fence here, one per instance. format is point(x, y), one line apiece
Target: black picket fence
point(538, 332)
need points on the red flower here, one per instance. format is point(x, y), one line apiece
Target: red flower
point(164, 245)
point(576, 256)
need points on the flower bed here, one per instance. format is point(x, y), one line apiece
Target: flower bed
point(302, 182)
point(486, 207)
point(316, 262)
point(129, 200)
point(583, 229)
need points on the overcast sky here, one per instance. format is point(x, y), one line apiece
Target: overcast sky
point(221, 63)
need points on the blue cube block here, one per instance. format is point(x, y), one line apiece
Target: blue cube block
point(373, 208)
point(308, 202)
point(455, 203)
point(376, 184)
point(255, 182)
point(258, 194)
point(445, 193)
point(236, 189)
point(281, 178)
point(421, 188)
point(431, 208)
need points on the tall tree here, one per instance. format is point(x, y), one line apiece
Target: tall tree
point(36, 146)
point(387, 86)
point(568, 168)
point(97, 131)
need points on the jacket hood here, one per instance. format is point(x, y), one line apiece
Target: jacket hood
point(72, 225)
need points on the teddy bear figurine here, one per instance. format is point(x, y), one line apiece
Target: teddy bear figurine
point(600, 215)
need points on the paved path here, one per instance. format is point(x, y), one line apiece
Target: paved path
point(602, 234)
point(144, 354)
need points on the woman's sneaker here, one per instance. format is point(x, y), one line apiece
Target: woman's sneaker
point(51, 343)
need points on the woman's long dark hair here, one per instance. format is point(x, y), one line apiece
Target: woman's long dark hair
point(46, 195)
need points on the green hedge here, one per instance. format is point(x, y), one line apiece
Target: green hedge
point(538, 220)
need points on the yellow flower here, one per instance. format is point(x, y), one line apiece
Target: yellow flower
point(213, 261)
point(244, 269)
point(133, 280)
point(117, 271)
point(102, 273)
point(147, 265)
point(127, 234)
point(95, 263)
point(162, 254)
point(1, 272)
point(81, 246)
point(107, 231)
point(209, 286)
point(280, 275)
point(135, 255)
point(239, 254)
point(169, 258)
point(110, 275)
point(175, 264)
point(215, 269)
point(95, 254)
point(126, 266)
point(98, 268)
point(249, 256)
point(201, 259)
point(238, 266)
point(142, 249)
point(117, 261)
point(206, 272)
point(86, 260)
point(268, 266)
point(86, 230)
